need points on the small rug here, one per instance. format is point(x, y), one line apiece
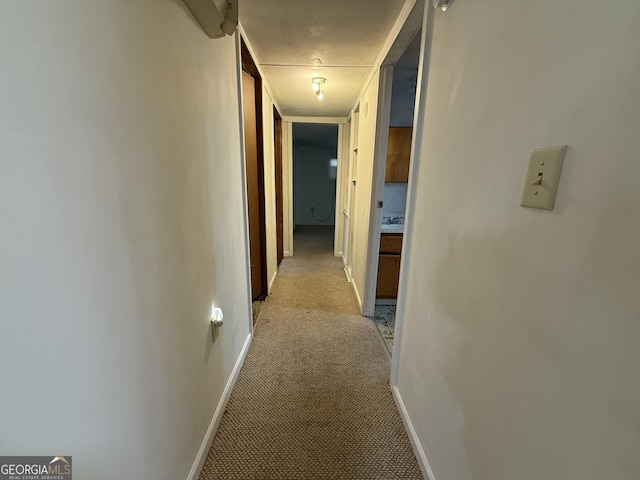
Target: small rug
point(384, 317)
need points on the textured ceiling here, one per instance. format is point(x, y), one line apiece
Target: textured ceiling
point(295, 40)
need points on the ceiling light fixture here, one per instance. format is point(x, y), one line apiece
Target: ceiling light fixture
point(316, 83)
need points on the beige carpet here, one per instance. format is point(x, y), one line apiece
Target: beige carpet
point(312, 400)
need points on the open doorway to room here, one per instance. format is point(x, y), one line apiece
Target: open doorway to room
point(279, 184)
point(315, 167)
point(403, 98)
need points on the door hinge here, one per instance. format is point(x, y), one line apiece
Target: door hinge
point(380, 203)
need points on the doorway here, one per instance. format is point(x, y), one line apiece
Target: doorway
point(395, 187)
point(254, 165)
point(315, 167)
point(277, 131)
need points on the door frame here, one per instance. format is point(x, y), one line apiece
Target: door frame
point(377, 189)
point(249, 66)
point(351, 195)
point(419, 121)
point(243, 174)
point(342, 189)
point(415, 20)
point(279, 189)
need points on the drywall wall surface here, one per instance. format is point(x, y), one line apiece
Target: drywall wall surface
point(519, 351)
point(123, 218)
point(312, 187)
point(363, 173)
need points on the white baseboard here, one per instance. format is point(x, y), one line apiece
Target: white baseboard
point(273, 279)
point(201, 457)
point(355, 289)
point(427, 473)
point(346, 272)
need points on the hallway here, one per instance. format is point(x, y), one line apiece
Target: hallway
point(124, 226)
point(312, 399)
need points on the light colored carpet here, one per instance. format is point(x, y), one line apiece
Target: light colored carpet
point(312, 400)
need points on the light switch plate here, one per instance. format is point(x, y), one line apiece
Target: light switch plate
point(543, 176)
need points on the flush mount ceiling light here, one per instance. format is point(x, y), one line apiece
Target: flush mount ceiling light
point(442, 4)
point(316, 83)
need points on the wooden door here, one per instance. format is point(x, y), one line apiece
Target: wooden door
point(255, 187)
point(277, 122)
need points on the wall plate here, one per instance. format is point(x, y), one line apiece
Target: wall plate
point(543, 176)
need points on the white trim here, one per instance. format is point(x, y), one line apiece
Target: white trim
point(347, 274)
point(243, 165)
point(421, 456)
point(342, 187)
point(273, 279)
point(295, 119)
point(338, 222)
point(287, 186)
point(419, 119)
point(351, 194)
point(388, 44)
point(377, 188)
point(411, 27)
point(355, 289)
point(265, 85)
point(201, 457)
point(269, 180)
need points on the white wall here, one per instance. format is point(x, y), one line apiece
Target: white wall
point(122, 213)
point(287, 186)
point(519, 350)
point(312, 187)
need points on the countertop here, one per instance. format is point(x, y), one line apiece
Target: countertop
point(393, 228)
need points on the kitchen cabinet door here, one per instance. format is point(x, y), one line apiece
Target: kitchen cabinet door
point(398, 154)
point(391, 243)
point(388, 276)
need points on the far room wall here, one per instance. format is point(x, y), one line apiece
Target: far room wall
point(312, 187)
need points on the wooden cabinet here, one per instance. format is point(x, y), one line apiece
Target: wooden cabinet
point(391, 243)
point(398, 154)
point(389, 265)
